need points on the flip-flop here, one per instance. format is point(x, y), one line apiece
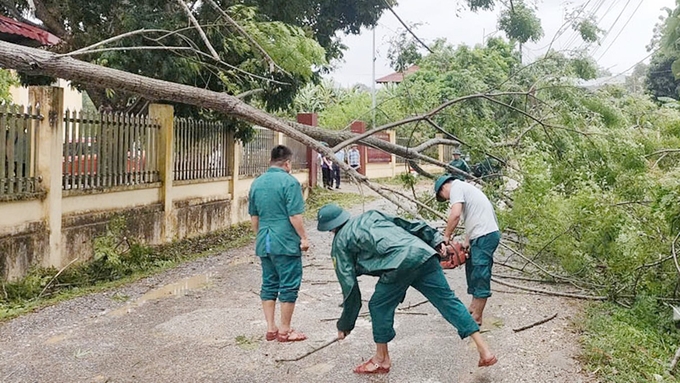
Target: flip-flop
point(487, 362)
point(286, 337)
point(271, 335)
point(362, 368)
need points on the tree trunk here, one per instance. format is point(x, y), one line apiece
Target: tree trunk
point(35, 61)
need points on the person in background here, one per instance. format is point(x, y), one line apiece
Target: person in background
point(482, 235)
point(401, 254)
point(340, 156)
point(354, 157)
point(459, 164)
point(275, 206)
point(326, 169)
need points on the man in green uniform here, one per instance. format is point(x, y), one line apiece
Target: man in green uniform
point(402, 254)
point(481, 232)
point(459, 164)
point(275, 206)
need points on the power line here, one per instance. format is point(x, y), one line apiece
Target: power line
point(624, 27)
point(407, 27)
point(604, 15)
point(613, 25)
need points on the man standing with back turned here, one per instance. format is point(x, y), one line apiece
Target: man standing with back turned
point(481, 232)
point(275, 206)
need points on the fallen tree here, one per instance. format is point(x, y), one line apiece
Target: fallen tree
point(35, 61)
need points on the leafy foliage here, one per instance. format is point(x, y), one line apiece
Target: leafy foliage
point(520, 23)
point(635, 345)
point(588, 30)
point(403, 51)
point(7, 80)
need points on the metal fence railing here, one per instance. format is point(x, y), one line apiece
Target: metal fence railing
point(299, 153)
point(109, 149)
point(18, 142)
point(256, 153)
point(201, 150)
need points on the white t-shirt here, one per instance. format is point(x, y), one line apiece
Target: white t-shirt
point(478, 214)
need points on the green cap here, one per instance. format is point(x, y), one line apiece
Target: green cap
point(331, 216)
point(439, 183)
point(456, 151)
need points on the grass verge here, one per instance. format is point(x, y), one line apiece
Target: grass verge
point(629, 345)
point(320, 196)
point(117, 261)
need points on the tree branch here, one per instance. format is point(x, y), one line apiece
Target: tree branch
point(407, 27)
point(664, 151)
point(242, 32)
point(200, 30)
point(548, 292)
point(50, 22)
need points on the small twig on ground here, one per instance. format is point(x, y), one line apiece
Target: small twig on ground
point(414, 305)
point(362, 315)
point(410, 313)
point(55, 277)
point(527, 279)
point(308, 353)
point(674, 362)
point(10, 375)
point(544, 320)
point(547, 292)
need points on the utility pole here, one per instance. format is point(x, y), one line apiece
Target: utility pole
point(373, 104)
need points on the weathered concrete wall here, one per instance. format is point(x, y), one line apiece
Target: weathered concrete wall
point(79, 231)
point(197, 217)
point(23, 249)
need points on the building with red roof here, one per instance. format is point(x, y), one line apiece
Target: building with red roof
point(397, 77)
point(25, 34)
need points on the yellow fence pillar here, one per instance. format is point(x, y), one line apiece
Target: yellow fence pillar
point(442, 156)
point(164, 116)
point(50, 147)
point(235, 164)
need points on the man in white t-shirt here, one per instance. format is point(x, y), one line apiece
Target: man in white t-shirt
point(481, 232)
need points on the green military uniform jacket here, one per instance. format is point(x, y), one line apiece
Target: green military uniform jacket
point(461, 165)
point(381, 245)
point(274, 197)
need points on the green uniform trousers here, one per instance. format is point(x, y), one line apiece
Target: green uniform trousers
point(429, 279)
point(281, 277)
point(478, 266)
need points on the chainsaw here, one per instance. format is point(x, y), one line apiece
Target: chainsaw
point(454, 255)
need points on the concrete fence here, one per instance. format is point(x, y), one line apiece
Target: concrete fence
point(169, 178)
point(67, 174)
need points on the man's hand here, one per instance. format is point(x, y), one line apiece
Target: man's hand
point(342, 334)
point(441, 249)
point(304, 244)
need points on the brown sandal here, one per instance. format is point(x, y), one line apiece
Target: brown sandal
point(296, 336)
point(363, 368)
point(487, 362)
point(271, 335)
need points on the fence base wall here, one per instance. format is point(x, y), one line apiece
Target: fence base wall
point(79, 231)
point(196, 217)
point(22, 250)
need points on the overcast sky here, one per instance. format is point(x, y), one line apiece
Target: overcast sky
point(622, 47)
